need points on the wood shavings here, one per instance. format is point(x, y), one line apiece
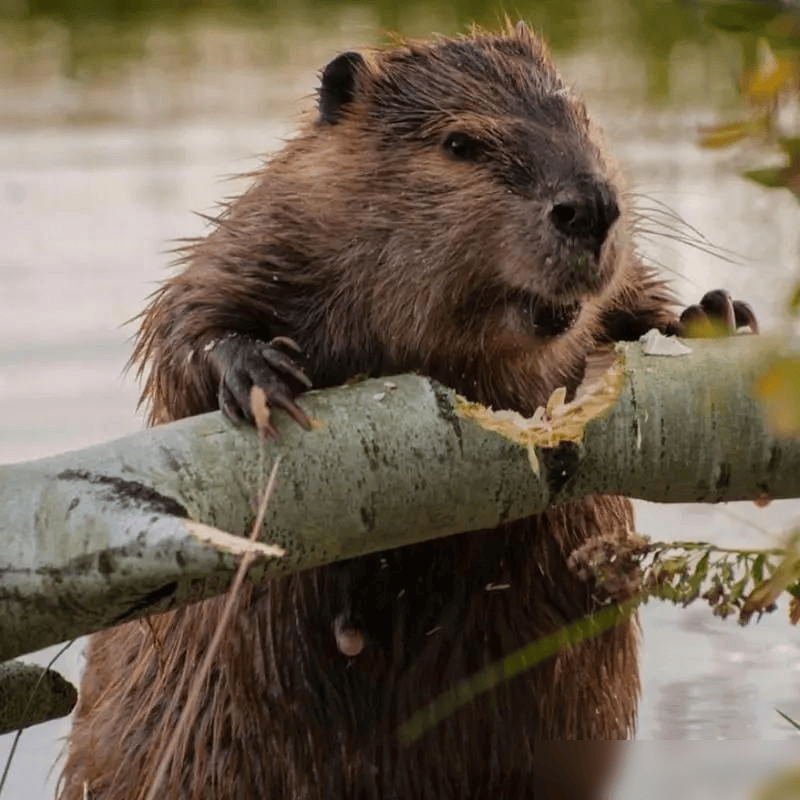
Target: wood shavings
point(654, 343)
point(557, 421)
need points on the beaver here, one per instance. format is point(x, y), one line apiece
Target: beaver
point(448, 209)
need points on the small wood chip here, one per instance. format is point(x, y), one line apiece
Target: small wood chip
point(237, 545)
point(654, 343)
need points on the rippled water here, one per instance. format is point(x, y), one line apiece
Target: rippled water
point(96, 180)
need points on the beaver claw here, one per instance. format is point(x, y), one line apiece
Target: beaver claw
point(717, 314)
point(244, 363)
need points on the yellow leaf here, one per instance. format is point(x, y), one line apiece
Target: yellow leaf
point(715, 136)
point(768, 80)
point(778, 391)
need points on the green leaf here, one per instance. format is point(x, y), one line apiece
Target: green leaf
point(794, 589)
point(667, 592)
point(741, 16)
point(794, 301)
point(737, 589)
point(726, 573)
point(757, 570)
point(699, 574)
point(783, 32)
point(771, 177)
point(790, 145)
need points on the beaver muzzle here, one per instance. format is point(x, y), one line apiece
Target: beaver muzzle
point(583, 213)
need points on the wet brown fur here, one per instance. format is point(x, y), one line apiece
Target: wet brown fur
point(376, 253)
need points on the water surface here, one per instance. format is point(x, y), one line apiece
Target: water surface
point(105, 153)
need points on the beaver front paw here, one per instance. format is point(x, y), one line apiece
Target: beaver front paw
point(243, 363)
point(717, 314)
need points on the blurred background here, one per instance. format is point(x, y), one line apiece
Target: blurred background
point(118, 119)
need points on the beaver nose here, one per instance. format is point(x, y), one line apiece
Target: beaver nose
point(585, 212)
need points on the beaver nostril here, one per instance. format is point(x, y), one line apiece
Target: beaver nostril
point(585, 213)
point(562, 215)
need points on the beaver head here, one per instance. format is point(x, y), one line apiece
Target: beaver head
point(450, 209)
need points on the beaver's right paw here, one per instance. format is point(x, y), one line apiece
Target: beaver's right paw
point(717, 314)
point(243, 363)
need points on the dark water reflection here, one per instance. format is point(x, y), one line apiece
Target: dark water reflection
point(118, 119)
point(101, 32)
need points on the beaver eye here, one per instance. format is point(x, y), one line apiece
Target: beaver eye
point(461, 146)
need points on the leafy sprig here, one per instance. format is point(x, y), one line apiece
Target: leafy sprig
point(746, 582)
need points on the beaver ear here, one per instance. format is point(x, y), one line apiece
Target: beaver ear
point(339, 84)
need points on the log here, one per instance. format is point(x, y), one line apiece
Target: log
point(110, 533)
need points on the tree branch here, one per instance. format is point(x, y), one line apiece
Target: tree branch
point(30, 694)
point(135, 526)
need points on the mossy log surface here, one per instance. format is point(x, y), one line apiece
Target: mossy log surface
point(30, 694)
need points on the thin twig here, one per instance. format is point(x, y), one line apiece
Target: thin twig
point(192, 700)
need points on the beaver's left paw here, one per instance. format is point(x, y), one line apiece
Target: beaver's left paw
point(717, 314)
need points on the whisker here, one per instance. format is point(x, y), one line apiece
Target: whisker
point(662, 267)
point(663, 221)
point(710, 249)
